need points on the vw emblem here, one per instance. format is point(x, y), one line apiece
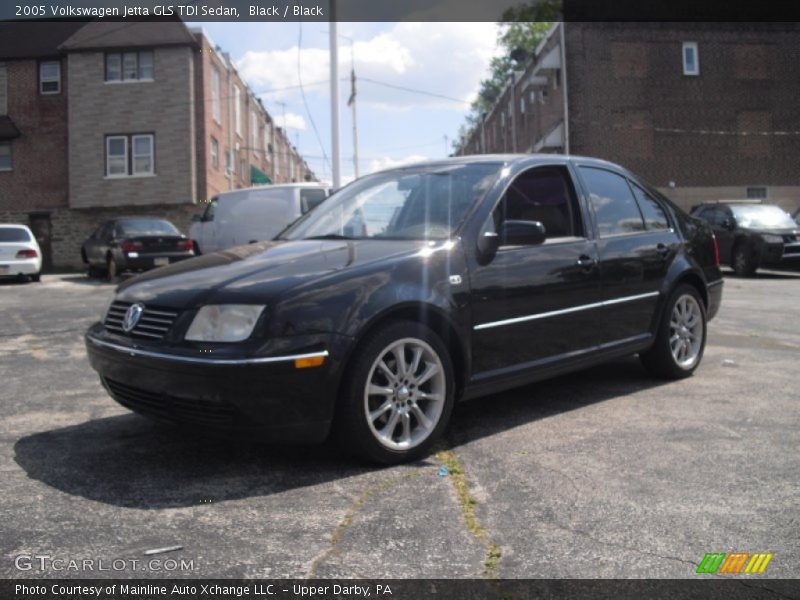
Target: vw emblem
point(132, 316)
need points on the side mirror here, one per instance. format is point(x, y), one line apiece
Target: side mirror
point(196, 218)
point(522, 233)
point(728, 224)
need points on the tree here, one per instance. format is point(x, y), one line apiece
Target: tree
point(522, 28)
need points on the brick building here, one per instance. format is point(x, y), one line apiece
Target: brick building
point(99, 120)
point(701, 110)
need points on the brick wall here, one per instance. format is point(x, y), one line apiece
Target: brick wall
point(38, 179)
point(71, 227)
point(164, 107)
point(630, 102)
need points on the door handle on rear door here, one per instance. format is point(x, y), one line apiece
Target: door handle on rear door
point(586, 263)
point(662, 249)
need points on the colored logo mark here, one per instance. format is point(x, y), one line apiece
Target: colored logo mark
point(735, 562)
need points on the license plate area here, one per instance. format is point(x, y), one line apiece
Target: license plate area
point(3, 269)
point(160, 262)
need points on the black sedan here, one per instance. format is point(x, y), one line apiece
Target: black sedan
point(134, 244)
point(408, 290)
point(751, 235)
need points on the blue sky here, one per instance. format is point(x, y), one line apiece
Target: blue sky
point(394, 126)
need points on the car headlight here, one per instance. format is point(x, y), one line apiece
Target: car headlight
point(224, 323)
point(773, 239)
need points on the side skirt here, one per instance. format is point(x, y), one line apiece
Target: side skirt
point(498, 380)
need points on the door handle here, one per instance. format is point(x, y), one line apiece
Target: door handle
point(662, 249)
point(586, 263)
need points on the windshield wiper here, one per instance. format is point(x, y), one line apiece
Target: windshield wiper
point(329, 236)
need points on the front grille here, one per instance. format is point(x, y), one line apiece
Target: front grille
point(170, 408)
point(154, 323)
point(790, 238)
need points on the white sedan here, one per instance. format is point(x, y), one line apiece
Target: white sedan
point(20, 254)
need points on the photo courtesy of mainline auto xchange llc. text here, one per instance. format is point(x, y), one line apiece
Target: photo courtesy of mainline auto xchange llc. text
point(484, 307)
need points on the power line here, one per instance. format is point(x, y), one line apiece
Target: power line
point(413, 90)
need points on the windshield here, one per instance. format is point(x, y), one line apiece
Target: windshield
point(134, 227)
point(14, 234)
point(762, 217)
point(424, 203)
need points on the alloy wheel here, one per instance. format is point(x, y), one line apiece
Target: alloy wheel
point(686, 331)
point(405, 394)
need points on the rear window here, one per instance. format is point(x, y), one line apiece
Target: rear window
point(310, 199)
point(134, 227)
point(14, 234)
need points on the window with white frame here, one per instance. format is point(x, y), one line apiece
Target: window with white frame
point(216, 105)
point(50, 77)
point(691, 59)
point(5, 156)
point(130, 66)
point(130, 155)
point(237, 109)
point(522, 104)
point(214, 153)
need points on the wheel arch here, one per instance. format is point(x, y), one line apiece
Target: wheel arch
point(432, 317)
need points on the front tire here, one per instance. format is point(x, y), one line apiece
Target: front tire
point(744, 262)
point(398, 396)
point(681, 337)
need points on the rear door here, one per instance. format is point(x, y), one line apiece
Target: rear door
point(533, 305)
point(634, 255)
point(207, 237)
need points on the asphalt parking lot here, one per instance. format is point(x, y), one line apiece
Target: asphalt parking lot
point(604, 473)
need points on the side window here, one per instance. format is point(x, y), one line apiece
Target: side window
point(208, 215)
point(106, 231)
point(654, 216)
point(615, 208)
point(543, 194)
point(311, 198)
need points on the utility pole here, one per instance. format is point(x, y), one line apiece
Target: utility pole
point(334, 58)
point(352, 104)
point(446, 146)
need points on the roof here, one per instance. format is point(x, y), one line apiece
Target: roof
point(504, 158)
point(8, 131)
point(27, 39)
point(111, 34)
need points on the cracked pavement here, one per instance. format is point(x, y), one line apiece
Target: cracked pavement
point(602, 473)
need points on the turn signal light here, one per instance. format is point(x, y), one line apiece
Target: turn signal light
point(305, 363)
point(30, 253)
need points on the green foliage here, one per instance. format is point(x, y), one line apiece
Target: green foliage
point(522, 27)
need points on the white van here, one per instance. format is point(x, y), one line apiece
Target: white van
point(253, 214)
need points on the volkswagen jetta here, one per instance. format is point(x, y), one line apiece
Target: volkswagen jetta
point(408, 290)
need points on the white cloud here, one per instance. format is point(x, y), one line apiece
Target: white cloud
point(291, 121)
point(443, 58)
point(387, 162)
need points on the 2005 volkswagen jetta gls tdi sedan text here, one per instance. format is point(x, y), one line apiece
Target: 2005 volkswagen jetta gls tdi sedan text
point(408, 290)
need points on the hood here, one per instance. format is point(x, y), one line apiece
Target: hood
point(256, 273)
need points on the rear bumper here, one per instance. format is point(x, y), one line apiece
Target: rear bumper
point(145, 262)
point(714, 298)
point(262, 398)
point(30, 266)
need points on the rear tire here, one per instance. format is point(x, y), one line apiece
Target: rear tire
point(36, 278)
point(744, 262)
point(681, 336)
point(398, 394)
point(112, 269)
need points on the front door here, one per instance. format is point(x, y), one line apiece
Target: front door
point(533, 305)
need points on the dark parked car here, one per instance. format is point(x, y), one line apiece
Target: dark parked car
point(408, 290)
point(751, 235)
point(134, 244)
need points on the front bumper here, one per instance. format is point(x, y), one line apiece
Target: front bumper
point(263, 398)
